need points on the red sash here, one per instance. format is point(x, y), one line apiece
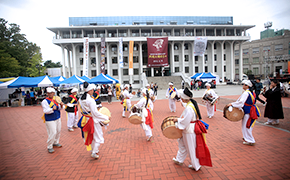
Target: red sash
point(52, 101)
point(76, 100)
point(89, 127)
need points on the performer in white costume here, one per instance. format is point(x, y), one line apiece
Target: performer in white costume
point(192, 141)
point(91, 121)
point(146, 104)
point(209, 106)
point(72, 110)
point(151, 93)
point(170, 90)
point(247, 101)
point(127, 100)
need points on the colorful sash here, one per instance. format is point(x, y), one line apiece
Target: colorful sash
point(171, 90)
point(74, 99)
point(86, 123)
point(254, 110)
point(149, 119)
point(51, 103)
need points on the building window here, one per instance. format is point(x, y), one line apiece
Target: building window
point(125, 60)
point(246, 61)
point(92, 48)
point(81, 61)
point(136, 82)
point(225, 69)
point(256, 60)
point(245, 70)
point(215, 68)
point(245, 51)
point(195, 58)
point(114, 60)
point(225, 46)
point(176, 69)
point(196, 69)
point(176, 58)
point(186, 69)
point(125, 47)
point(186, 58)
point(236, 71)
point(176, 47)
point(93, 61)
point(205, 57)
point(225, 57)
point(266, 48)
point(81, 49)
point(125, 72)
point(256, 50)
point(81, 73)
point(94, 73)
point(135, 48)
point(237, 61)
point(237, 53)
point(136, 71)
point(256, 71)
point(279, 47)
point(215, 57)
point(185, 46)
point(205, 68)
point(114, 48)
point(214, 46)
point(135, 59)
point(115, 72)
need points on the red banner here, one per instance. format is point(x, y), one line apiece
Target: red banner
point(157, 52)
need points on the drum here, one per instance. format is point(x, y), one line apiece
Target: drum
point(58, 99)
point(233, 114)
point(169, 130)
point(210, 99)
point(173, 94)
point(105, 111)
point(135, 116)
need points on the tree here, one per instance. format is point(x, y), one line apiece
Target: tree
point(9, 66)
point(35, 68)
point(50, 64)
point(17, 46)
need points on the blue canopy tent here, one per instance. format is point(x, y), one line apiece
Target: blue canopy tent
point(73, 80)
point(42, 81)
point(86, 78)
point(56, 80)
point(116, 80)
point(195, 76)
point(101, 79)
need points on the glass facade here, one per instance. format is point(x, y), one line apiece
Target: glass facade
point(150, 20)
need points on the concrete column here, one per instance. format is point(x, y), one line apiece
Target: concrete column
point(193, 59)
point(232, 61)
point(182, 58)
point(241, 62)
point(212, 56)
point(97, 59)
point(69, 65)
point(152, 72)
point(74, 60)
point(119, 69)
point(202, 63)
point(172, 58)
point(108, 59)
point(140, 61)
point(222, 60)
point(63, 62)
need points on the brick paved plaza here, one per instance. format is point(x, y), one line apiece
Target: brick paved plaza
point(127, 155)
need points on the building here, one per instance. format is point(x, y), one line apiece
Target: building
point(222, 36)
point(268, 56)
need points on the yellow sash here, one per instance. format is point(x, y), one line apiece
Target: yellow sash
point(50, 105)
point(84, 121)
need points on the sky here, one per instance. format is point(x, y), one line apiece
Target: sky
point(34, 16)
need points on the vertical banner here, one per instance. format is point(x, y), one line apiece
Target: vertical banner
point(131, 46)
point(157, 52)
point(103, 54)
point(121, 63)
point(86, 56)
point(199, 46)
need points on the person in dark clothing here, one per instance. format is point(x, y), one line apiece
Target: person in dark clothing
point(72, 110)
point(27, 98)
point(130, 88)
point(274, 108)
point(258, 89)
point(155, 89)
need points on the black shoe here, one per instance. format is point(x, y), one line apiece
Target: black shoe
point(57, 145)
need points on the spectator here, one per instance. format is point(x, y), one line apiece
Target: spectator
point(32, 96)
point(191, 84)
point(130, 88)
point(182, 84)
point(27, 98)
point(258, 87)
point(110, 95)
point(155, 89)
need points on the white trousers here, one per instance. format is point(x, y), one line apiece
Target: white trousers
point(147, 130)
point(128, 102)
point(172, 105)
point(98, 137)
point(72, 119)
point(187, 145)
point(210, 109)
point(247, 132)
point(53, 131)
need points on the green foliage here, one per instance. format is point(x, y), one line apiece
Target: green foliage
point(26, 53)
point(9, 65)
point(50, 64)
point(35, 68)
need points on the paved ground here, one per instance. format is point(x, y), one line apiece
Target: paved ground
point(127, 155)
